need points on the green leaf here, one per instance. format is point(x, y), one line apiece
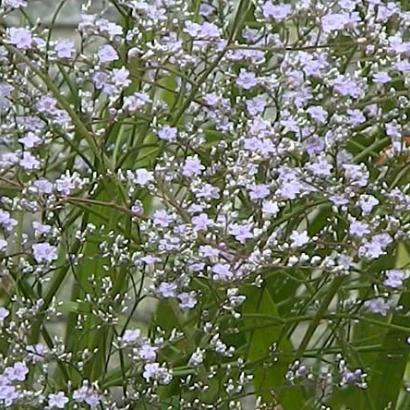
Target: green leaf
point(386, 382)
point(269, 375)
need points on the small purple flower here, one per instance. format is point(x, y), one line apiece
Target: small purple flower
point(58, 400)
point(246, 80)
point(367, 203)
point(120, 77)
point(15, 3)
point(318, 113)
point(18, 372)
point(222, 272)
point(20, 37)
point(241, 232)
point(276, 12)
point(86, 395)
point(30, 140)
point(64, 48)
point(8, 394)
point(167, 289)
point(209, 31)
point(381, 77)
point(131, 336)
point(379, 306)
point(334, 22)
point(3, 313)
point(258, 191)
point(256, 105)
point(394, 278)
point(299, 239)
point(202, 222)
point(43, 186)
point(321, 167)
point(37, 352)
point(192, 167)
point(143, 177)
point(147, 352)
point(270, 208)
point(44, 252)
point(167, 133)
point(358, 228)
point(188, 300)
point(107, 54)
point(162, 218)
point(208, 191)
point(6, 221)
point(29, 162)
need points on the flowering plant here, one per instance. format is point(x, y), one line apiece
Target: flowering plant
point(205, 205)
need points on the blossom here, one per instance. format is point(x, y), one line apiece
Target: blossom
point(3, 313)
point(276, 12)
point(208, 251)
point(258, 191)
point(6, 221)
point(57, 400)
point(381, 77)
point(131, 336)
point(143, 177)
point(188, 300)
point(107, 54)
point(347, 87)
point(43, 186)
point(167, 133)
point(18, 372)
point(241, 232)
point(358, 228)
point(37, 352)
point(209, 30)
point(222, 271)
point(162, 218)
point(15, 3)
point(156, 372)
point(120, 77)
point(167, 289)
point(256, 105)
point(201, 222)
point(394, 278)
point(20, 37)
point(334, 21)
point(8, 394)
point(192, 167)
point(147, 352)
point(30, 140)
point(376, 246)
point(64, 48)
point(29, 162)
point(321, 167)
point(246, 80)
point(318, 113)
point(207, 191)
point(270, 208)
point(367, 203)
point(299, 239)
point(379, 305)
point(44, 252)
point(86, 395)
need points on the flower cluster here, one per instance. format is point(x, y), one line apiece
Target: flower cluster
point(203, 203)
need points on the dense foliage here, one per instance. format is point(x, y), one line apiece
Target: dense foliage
point(205, 205)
